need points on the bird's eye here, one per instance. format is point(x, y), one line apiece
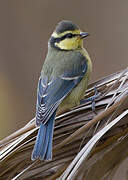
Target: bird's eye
point(69, 35)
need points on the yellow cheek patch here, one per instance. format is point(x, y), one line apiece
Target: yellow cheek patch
point(70, 43)
point(55, 35)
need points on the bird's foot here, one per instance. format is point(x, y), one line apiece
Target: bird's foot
point(92, 99)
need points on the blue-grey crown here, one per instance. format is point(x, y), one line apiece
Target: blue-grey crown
point(65, 26)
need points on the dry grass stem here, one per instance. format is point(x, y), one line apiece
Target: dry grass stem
point(85, 146)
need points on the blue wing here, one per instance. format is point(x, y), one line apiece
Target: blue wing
point(51, 92)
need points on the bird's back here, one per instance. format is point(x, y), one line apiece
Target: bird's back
point(57, 62)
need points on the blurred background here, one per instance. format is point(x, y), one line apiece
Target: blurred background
point(25, 27)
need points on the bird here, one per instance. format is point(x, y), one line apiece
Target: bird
point(62, 84)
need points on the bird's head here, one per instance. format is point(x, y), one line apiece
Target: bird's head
point(67, 36)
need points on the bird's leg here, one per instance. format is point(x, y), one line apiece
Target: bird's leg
point(94, 98)
point(91, 99)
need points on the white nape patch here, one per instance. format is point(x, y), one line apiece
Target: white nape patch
point(54, 34)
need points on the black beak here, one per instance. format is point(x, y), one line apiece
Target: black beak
point(84, 34)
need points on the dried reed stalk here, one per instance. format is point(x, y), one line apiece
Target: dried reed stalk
point(86, 145)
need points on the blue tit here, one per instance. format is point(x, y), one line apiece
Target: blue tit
point(62, 84)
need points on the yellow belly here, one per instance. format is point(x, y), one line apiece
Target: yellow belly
point(73, 99)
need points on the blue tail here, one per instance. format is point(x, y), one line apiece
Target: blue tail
point(43, 146)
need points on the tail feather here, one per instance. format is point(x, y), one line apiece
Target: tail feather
point(50, 130)
point(39, 142)
point(43, 146)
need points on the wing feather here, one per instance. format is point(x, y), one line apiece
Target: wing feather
point(51, 93)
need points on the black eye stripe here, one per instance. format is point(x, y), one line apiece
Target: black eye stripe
point(68, 35)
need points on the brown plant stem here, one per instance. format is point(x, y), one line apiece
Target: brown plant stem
point(84, 128)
